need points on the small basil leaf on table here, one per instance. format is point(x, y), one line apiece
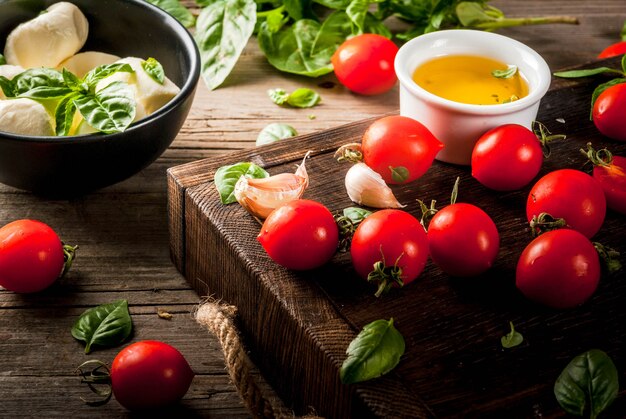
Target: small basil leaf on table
point(511, 339)
point(303, 98)
point(105, 325)
point(375, 351)
point(274, 132)
point(154, 69)
point(222, 31)
point(3, 60)
point(227, 176)
point(109, 110)
point(177, 10)
point(589, 383)
point(278, 96)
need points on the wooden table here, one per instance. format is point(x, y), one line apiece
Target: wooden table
point(122, 230)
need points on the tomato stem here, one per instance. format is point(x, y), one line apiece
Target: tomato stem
point(545, 222)
point(386, 276)
point(545, 137)
point(523, 21)
point(349, 153)
point(98, 375)
point(455, 191)
point(602, 157)
point(427, 213)
point(346, 231)
point(69, 254)
point(609, 256)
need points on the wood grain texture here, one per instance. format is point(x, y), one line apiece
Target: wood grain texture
point(299, 324)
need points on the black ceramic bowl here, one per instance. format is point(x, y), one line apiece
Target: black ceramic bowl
point(65, 166)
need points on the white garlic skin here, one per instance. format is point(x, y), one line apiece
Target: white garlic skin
point(367, 187)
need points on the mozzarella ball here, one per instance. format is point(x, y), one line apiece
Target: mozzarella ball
point(83, 62)
point(25, 117)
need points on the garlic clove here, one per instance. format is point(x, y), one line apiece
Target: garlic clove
point(367, 187)
point(262, 196)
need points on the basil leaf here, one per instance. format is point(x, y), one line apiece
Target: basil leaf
point(334, 4)
point(601, 88)
point(64, 115)
point(3, 60)
point(511, 339)
point(278, 96)
point(274, 132)
point(585, 73)
point(94, 76)
point(177, 10)
point(334, 31)
point(222, 32)
point(291, 49)
point(376, 26)
point(303, 98)
point(7, 86)
point(505, 74)
point(472, 13)
point(357, 11)
point(73, 82)
point(109, 110)
point(623, 33)
point(35, 78)
point(44, 92)
point(375, 351)
point(227, 176)
point(356, 214)
point(589, 383)
point(154, 69)
point(624, 63)
point(298, 9)
point(105, 325)
point(275, 19)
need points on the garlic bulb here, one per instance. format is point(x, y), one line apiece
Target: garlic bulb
point(366, 187)
point(262, 196)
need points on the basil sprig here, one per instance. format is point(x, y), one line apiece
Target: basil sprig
point(106, 325)
point(588, 384)
point(154, 69)
point(227, 176)
point(511, 339)
point(108, 110)
point(375, 351)
point(299, 98)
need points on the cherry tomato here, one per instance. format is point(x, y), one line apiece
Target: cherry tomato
point(560, 269)
point(612, 178)
point(507, 157)
point(613, 50)
point(463, 240)
point(609, 110)
point(31, 256)
point(400, 149)
point(149, 374)
point(364, 64)
point(300, 235)
point(572, 195)
point(397, 240)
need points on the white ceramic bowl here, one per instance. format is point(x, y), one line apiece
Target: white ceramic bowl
point(459, 125)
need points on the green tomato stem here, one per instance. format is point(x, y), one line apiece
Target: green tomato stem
point(69, 253)
point(524, 21)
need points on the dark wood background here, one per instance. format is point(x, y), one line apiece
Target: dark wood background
point(122, 230)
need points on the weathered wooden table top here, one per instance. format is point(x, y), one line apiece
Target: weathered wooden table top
point(122, 230)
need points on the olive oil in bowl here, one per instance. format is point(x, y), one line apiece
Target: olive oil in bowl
point(471, 79)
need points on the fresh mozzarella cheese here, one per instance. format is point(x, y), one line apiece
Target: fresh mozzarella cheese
point(150, 94)
point(48, 39)
point(25, 117)
point(9, 71)
point(83, 62)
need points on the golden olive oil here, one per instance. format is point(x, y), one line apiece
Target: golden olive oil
point(470, 79)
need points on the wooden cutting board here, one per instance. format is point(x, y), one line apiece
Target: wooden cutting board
point(298, 325)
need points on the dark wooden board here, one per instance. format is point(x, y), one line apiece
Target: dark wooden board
point(298, 325)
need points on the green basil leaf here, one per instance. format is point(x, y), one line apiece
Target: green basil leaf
point(105, 325)
point(374, 25)
point(572, 74)
point(505, 74)
point(222, 32)
point(274, 132)
point(3, 60)
point(7, 86)
point(303, 98)
point(43, 92)
point(412, 10)
point(37, 77)
point(64, 115)
point(109, 110)
point(375, 351)
point(94, 76)
point(356, 214)
point(334, 4)
point(154, 69)
point(275, 19)
point(291, 49)
point(474, 13)
point(511, 339)
point(177, 10)
point(624, 63)
point(589, 383)
point(601, 88)
point(278, 96)
point(623, 33)
point(337, 27)
point(357, 10)
point(227, 176)
point(72, 81)
point(411, 33)
point(399, 174)
point(299, 9)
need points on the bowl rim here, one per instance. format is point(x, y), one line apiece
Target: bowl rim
point(186, 90)
point(406, 80)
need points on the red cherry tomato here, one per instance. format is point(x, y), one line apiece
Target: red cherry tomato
point(300, 235)
point(400, 149)
point(613, 50)
point(507, 157)
point(31, 256)
point(364, 64)
point(612, 178)
point(609, 110)
point(395, 238)
point(149, 374)
point(463, 240)
point(559, 269)
point(572, 195)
